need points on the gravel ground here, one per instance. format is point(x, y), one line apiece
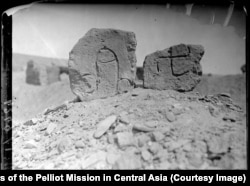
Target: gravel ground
point(143, 129)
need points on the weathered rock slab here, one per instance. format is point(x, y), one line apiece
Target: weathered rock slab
point(177, 68)
point(103, 64)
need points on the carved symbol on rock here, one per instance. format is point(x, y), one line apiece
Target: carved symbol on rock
point(107, 72)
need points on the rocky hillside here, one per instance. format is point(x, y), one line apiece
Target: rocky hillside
point(143, 129)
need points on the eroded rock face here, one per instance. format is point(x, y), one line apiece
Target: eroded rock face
point(103, 64)
point(41, 74)
point(177, 68)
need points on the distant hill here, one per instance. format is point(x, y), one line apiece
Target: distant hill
point(19, 61)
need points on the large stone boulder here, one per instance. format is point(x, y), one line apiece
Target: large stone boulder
point(103, 64)
point(177, 68)
point(42, 74)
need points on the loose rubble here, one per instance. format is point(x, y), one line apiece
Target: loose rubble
point(157, 130)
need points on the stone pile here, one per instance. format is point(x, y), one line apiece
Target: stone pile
point(143, 129)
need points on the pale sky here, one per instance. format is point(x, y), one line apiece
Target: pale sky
point(53, 30)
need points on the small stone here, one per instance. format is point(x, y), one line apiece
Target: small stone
point(142, 128)
point(155, 148)
point(110, 138)
point(213, 111)
point(79, 144)
point(176, 144)
point(163, 155)
point(142, 140)
point(229, 118)
point(48, 166)
point(165, 130)
point(225, 94)
point(112, 158)
point(120, 128)
point(37, 137)
point(65, 116)
point(29, 123)
point(104, 125)
point(166, 165)
point(64, 144)
point(177, 109)
point(145, 155)
point(50, 128)
point(187, 147)
point(124, 118)
point(31, 144)
point(151, 124)
point(217, 145)
point(93, 159)
point(132, 150)
point(128, 162)
point(34, 120)
point(158, 136)
point(170, 116)
point(70, 131)
point(195, 159)
point(125, 139)
point(19, 133)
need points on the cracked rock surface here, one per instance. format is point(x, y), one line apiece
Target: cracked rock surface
point(140, 129)
point(102, 64)
point(175, 68)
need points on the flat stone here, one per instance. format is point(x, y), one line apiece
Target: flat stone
point(151, 124)
point(142, 140)
point(145, 155)
point(155, 147)
point(50, 128)
point(37, 137)
point(128, 162)
point(120, 128)
point(158, 136)
point(166, 165)
point(31, 144)
point(29, 123)
point(142, 128)
point(195, 159)
point(170, 116)
point(64, 144)
point(177, 68)
point(125, 139)
point(123, 117)
point(213, 111)
point(112, 158)
point(93, 159)
point(103, 64)
point(104, 125)
point(79, 144)
point(217, 145)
